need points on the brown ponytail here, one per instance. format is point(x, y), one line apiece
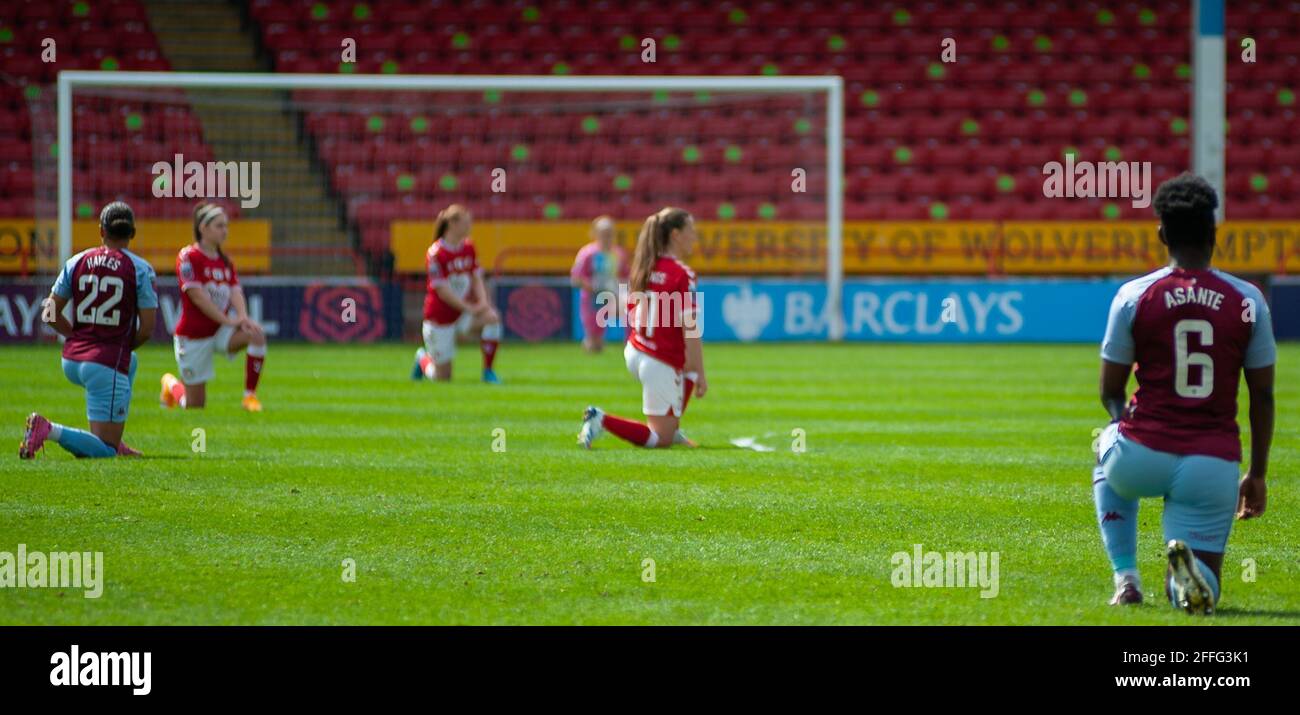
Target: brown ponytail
point(652, 243)
point(445, 217)
point(204, 213)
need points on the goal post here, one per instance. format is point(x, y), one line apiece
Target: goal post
point(830, 87)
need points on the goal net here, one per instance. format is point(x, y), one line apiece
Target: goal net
point(339, 177)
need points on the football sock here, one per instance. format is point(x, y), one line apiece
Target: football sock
point(426, 365)
point(177, 390)
point(80, 443)
point(488, 344)
point(253, 367)
point(630, 431)
point(688, 387)
point(1117, 518)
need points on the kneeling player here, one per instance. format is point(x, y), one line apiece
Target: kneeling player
point(109, 288)
point(209, 289)
point(1191, 330)
point(664, 351)
point(456, 301)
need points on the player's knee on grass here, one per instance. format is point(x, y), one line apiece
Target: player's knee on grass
point(110, 433)
point(196, 396)
point(664, 427)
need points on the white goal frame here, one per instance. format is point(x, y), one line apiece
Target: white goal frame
point(831, 85)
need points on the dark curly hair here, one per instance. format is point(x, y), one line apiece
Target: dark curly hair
point(118, 220)
point(1185, 205)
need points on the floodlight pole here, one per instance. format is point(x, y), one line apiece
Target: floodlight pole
point(1208, 89)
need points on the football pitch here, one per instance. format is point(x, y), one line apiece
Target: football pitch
point(360, 496)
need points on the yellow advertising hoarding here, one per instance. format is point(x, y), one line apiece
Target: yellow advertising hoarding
point(724, 247)
point(1134, 247)
point(28, 246)
point(884, 247)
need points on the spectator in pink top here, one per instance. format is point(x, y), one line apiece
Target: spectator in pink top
point(597, 270)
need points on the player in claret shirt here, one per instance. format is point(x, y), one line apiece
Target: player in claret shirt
point(1191, 330)
point(456, 300)
point(113, 310)
point(664, 351)
point(209, 290)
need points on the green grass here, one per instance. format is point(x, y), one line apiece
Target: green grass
point(977, 448)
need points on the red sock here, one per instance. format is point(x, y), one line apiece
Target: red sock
point(252, 372)
point(178, 392)
point(489, 348)
point(628, 430)
point(426, 365)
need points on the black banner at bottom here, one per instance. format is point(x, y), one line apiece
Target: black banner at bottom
point(213, 664)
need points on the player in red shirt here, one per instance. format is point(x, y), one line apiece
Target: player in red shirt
point(113, 307)
point(1191, 330)
point(456, 301)
point(664, 350)
point(209, 291)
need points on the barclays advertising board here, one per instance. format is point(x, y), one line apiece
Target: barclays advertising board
point(911, 311)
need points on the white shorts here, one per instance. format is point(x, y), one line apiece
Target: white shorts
point(194, 355)
point(661, 383)
point(440, 340)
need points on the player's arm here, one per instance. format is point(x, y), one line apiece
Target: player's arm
point(449, 297)
point(60, 294)
point(1254, 495)
point(1261, 356)
point(1114, 385)
point(579, 275)
point(483, 307)
point(146, 303)
point(145, 329)
point(52, 315)
point(694, 342)
point(240, 304)
point(695, 363)
point(204, 303)
point(1117, 356)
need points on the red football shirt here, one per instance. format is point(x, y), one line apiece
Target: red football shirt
point(453, 267)
point(216, 276)
point(661, 318)
point(1190, 332)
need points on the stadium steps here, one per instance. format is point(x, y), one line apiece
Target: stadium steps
point(306, 222)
